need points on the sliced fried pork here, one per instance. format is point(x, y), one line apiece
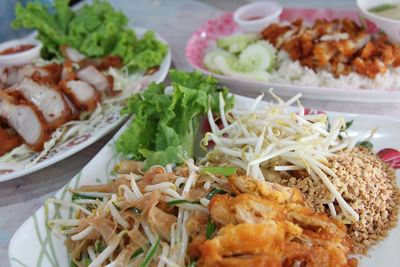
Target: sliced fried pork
point(67, 72)
point(48, 100)
point(74, 111)
point(26, 120)
point(105, 62)
point(13, 75)
point(72, 54)
point(8, 141)
point(101, 82)
point(82, 94)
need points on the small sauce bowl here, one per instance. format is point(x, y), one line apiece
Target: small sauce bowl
point(22, 57)
point(377, 24)
point(257, 16)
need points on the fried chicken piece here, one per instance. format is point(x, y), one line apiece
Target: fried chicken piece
point(274, 33)
point(323, 53)
point(268, 225)
point(245, 208)
point(338, 46)
point(266, 244)
point(266, 190)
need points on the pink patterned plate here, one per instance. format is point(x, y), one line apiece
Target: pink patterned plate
point(203, 39)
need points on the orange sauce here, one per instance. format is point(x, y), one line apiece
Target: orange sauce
point(16, 49)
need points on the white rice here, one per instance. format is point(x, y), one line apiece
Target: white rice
point(289, 71)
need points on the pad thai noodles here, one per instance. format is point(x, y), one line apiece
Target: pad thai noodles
point(226, 209)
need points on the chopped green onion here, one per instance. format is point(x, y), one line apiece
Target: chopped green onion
point(226, 171)
point(348, 124)
point(180, 201)
point(117, 207)
point(98, 247)
point(137, 252)
point(192, 264)
point(135, 210)
point(150, 255)
point(210, 227)
point(76, 196)
point(73, 264)
point(214, 192)
point(365, 144)
point(382, 7)
point(87, 261)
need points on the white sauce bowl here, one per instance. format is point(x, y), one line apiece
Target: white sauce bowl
point(257, 16)
point(20, 58)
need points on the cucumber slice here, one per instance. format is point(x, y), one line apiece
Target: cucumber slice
point(258, 56)
point(209, 60)
point(237, 43)
point(229, 66)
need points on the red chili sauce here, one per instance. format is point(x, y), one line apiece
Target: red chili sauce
point(254, 18)
point(16, 49)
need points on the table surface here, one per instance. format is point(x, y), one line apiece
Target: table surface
point(175, 20)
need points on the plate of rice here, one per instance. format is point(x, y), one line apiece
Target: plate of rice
point(374, 80)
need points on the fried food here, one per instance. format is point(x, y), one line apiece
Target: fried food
point(26, 120)
point(339, 46)
point(268, 225)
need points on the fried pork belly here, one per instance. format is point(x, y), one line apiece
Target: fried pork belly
point(268, 225)
point(50, 73)
point(49, 101)
point(83, 95)
point(71, 54)
point(338, 46)
point(102, 83)
point(105, 62)
point(68, 72)
point(8, 141)
point(26, 120)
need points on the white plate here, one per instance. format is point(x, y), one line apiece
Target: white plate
point(203, 39)
point(34, 244)
point(77, 143)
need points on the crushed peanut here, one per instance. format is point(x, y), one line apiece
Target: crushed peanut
point(366, 183)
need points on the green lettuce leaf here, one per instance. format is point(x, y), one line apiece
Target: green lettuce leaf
point(95, 30)
point(164, 126)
